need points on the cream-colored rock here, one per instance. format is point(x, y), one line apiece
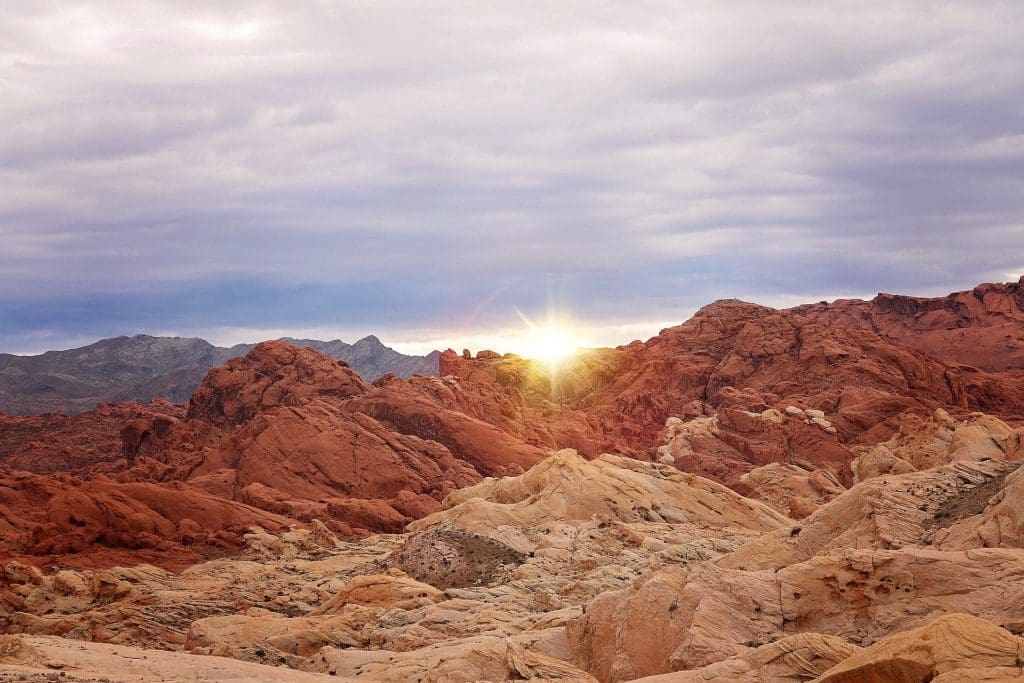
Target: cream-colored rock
point(876, 461)
point(791, 659)
point(244, 635)
point(883, 512)
point(682, 618)
point(567, 487)
point(293, 544)
point(40, 658)
point(777, 484)
point(69, 583)
point(536, 655)
point(151, 607)
point(925, 442)
point(953, 647)
point(823, 424)
point(382, 590)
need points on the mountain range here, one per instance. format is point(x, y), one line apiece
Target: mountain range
point(143, 367)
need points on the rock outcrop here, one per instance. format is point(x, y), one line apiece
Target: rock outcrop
point(799, 657)
point(283, 429)
point(683, 618)
point(565, 487)
point(982, 327)
point(84, 444)
point(893, 511)
point(938, 439)
point(953, 647)
point(43, 658)
point(101, 522)
point(730, 445)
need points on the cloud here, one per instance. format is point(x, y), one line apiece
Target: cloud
point(377, 167)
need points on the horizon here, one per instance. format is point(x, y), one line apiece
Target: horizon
point(502, 340)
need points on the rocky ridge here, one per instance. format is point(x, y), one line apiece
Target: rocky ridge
point(981, 327)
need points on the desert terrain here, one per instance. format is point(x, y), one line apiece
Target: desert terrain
point(824, 493)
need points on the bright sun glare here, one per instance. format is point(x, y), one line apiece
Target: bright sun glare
point(551, 342)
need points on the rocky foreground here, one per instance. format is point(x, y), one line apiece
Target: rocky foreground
point(755, 495)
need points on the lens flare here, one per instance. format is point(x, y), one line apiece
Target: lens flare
point(552, 342)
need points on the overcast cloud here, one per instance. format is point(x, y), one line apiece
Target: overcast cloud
point(421, 170)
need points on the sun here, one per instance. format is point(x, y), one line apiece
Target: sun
point(552, 342)
point(549, 344)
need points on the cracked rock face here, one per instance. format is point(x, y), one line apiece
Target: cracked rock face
point(680, 619)
point(954, 647)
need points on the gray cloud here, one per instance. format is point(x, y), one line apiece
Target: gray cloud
point(191, 166)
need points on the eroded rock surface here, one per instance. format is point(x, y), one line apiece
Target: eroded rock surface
point(387, 607)
point(980, 327)
point(690, 617)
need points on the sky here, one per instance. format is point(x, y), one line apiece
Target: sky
point(428, 171)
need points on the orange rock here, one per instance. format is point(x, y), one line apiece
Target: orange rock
point(953, 647)
point(982, 327)
point(102, 523)
point(84, 444)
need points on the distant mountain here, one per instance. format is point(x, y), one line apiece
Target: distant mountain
point(143, 367)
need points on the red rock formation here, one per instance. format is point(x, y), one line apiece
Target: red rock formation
point(293, 431)
point(103, 523)
point(419, 408)
point(982, 327)
point(998, 393)
point(272, 374)
point(82, 444)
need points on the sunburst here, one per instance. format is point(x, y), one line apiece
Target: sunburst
point(553, 342)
